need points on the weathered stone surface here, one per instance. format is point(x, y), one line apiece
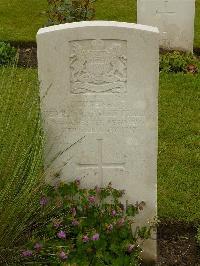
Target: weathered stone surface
point(174, 18)
point(99, 86)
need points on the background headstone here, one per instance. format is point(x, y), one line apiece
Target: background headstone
point(99, 86)
point(174, 19)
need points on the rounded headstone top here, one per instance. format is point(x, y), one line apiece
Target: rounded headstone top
point(97, 23)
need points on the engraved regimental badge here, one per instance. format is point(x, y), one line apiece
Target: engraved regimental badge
point(98, 66)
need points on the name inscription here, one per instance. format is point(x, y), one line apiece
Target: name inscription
point(103, 120)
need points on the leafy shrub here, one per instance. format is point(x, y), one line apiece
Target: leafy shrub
point(7, 54)
point(63, 11)
point(89, 227)
point(179, 62)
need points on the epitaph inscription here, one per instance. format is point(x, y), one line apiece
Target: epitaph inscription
point(98, 66)
point(166, 10)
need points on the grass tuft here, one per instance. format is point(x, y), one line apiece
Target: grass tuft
point(21, 144)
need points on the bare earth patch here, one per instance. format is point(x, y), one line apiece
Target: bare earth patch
point(177, 245)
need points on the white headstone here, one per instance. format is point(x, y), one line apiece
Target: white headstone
point(174, 19)
point(99, 86)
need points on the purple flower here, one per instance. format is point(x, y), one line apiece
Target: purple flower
point(113, 213)
point(85, 239)
point(38, 247)
point(63, 255)
point(75, 223)
point(27, 253)
point(61, 235)
point(95, 237)
point(43, 201)
point(130, 248)
point(92, 199)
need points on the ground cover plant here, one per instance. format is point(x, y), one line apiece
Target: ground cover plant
point(88, 227)
point(7, 54)
point(20, 20)
point(176, 62)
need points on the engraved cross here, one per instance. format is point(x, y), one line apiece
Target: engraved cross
point(100, 165)
point(166, 10)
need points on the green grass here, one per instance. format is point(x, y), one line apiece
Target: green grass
point(21, 154)
point(119, 10)
point(179, 157)
point(178, 178)
point(197, 25)
point(20, 20)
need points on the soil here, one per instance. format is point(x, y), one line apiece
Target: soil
point(177, 244)
point(27, 57)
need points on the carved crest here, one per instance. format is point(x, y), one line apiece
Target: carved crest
point(98, 68)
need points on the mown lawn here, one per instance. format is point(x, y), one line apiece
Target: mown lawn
point(178, 177)
point(179, 157)
point(20, 20)
point(197, 25)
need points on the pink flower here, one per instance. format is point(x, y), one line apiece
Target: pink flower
point(61, 235)
point(38, 247)
point(113, 213)
point(130, 248)
point(75, 222)
point(121, 222)
point(95, 237)
point(63, 255)
point(85, 239)
point(27, 253)
point(43, 201)
point(92, 199)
